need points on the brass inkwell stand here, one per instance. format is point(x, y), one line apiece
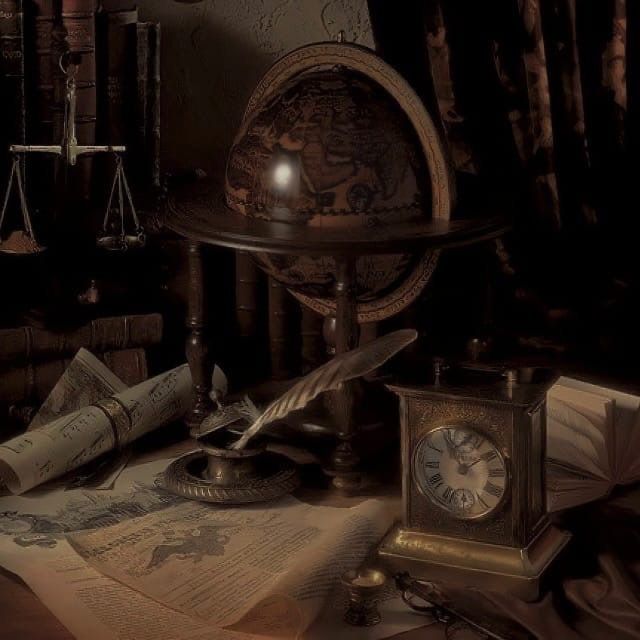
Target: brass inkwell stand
point(114, 235)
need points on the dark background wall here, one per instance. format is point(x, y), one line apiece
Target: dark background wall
point(213, 54)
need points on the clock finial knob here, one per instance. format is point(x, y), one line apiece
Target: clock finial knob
point(439, 367)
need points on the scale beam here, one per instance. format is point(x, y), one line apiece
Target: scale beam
point(57, 149)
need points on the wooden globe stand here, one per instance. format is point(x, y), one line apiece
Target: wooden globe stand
point(199, 215)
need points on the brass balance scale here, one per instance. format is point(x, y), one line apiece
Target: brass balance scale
point(25, 241)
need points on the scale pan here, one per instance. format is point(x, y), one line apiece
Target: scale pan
point(135, 241)
point(111, 242)
point(20, 243)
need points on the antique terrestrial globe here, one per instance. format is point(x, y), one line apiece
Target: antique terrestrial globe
point(334, 138)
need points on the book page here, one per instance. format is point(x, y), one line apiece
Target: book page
point(267, 568)
point(579, 428)
point(569, 486)
point(626, 466)
point(628, 470)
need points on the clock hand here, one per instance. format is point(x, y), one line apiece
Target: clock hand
point(451, 447)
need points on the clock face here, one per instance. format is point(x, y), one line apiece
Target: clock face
point(461, 471)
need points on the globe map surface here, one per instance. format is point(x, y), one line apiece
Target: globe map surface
point(331, 148)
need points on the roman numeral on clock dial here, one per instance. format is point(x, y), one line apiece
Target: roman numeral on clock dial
point(481, 500)
point(493, 489)
point(489, 456)
point(435, 480)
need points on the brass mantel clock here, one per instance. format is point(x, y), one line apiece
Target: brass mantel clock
point(473, 484)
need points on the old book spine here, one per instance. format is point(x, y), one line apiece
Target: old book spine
point(154, 105)
point(41, 118)
point(39, 21)
point(78, 22)
point(282, 336)
point(118, 55)
point(248, 279)
point(12, 87)
point(79, 33)
point(34, 382)
point(103, 334)
point(139, 151)
point(130, 365)
point(313, 350)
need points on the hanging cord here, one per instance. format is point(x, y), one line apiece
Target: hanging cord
point(116, 176)
point(124, 197)
point(65, 70)
point(121, 198)
point(134, 215)
point(16, 174)
point(8, 192)
point(23, 202)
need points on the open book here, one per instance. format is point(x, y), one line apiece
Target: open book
point(593, 442)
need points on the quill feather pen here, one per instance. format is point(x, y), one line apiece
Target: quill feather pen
point(330, 376)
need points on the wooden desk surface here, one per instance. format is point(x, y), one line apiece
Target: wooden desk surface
point(23, 616)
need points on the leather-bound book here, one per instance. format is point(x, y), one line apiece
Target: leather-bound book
point(78, 31)
point(32, 383)
point(117, 55)
point(248, 279)
point(130, 365)
point(12, 89)
point(282, 332)
point(139, 152)
point(109, 6)
point(39, 65)
point(313, 350)
point(154, 104)
point(41, 33)
point(28, 344)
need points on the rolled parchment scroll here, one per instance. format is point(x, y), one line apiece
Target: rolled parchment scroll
point(72, 440)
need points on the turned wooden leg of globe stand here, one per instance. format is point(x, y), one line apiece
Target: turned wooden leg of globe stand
point(343, 332)
point(197, 346)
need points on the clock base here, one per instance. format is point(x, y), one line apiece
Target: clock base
point(470, 563)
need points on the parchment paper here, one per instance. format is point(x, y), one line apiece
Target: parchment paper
point(69, 442)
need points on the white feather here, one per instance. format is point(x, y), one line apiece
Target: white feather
point(330, 376)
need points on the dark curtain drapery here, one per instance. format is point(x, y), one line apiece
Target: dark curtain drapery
point(538, 103)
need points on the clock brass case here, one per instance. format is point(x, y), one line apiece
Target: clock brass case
point(508, 549)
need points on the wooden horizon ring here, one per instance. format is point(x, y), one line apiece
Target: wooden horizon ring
point(368, 63)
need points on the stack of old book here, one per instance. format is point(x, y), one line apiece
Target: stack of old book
point(118, 82)
point(32, 360)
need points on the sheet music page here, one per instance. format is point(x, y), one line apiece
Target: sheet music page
point(67, 443)
point(264, 569)
point(85, 381)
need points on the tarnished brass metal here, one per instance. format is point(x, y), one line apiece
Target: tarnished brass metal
point(466, 562)
point(225, 476)
point(69, 151)
point(364, 588)
point(511, 543)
